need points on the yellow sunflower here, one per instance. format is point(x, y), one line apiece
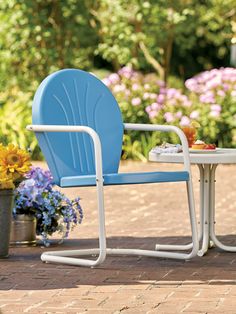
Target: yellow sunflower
point(6, 181)
point(14, 161)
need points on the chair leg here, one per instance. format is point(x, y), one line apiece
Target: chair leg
point(67, 257)
point(194, 245)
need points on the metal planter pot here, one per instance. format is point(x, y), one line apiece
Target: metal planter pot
point(6, 205)
point(23, 230)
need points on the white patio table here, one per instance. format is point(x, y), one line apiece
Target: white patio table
point(207, 163)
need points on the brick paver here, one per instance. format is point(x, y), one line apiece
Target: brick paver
point(137, 216)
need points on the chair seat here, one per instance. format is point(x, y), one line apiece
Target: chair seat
point(126, 178)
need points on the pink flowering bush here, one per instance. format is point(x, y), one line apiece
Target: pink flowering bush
point(209, 98)
point(134, 92)
point(146, 99)
point(214, 95)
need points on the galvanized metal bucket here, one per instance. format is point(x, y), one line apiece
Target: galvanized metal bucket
point(6, 205)
point(23, 230)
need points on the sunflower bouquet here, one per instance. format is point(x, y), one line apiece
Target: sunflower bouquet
point(14, 163)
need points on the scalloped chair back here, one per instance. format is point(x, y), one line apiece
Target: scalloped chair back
point(75, 97)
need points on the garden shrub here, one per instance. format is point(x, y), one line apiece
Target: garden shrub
point(146, 99)
point(181, 37)
point(15, 112)
point(214, 96)
point(209, 98)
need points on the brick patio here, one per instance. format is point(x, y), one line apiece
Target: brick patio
point(137, 216)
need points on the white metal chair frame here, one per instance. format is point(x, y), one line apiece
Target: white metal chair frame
point(67, 257)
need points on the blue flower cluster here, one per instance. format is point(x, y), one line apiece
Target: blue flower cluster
point(52, 209)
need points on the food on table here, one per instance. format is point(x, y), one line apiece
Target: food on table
point(210, 146)
point(198, 145)
point(190, 132)
point(202, 145)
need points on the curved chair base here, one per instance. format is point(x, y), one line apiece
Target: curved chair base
point(221, 245)
point(174, 247)
point(67, 257)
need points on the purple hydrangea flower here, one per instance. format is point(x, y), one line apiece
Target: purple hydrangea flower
point(216, 107)
point(152, 114)
point(136, 101)
point(194, 114)
point(146, 96)
point(146, 86)
point(178, 114)
point(161, 98)
point(148, 109)
point(233, 93)
point(135, 87)
point(106, 81)
point(217, 81)
point(114, 78)
point(168, 117)
point(127, 72)
point(208, 97)
point(214, 114)
point(185, 121)
point(53, 210)
point(155, 106)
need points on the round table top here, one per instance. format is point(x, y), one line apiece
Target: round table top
point(218, 156)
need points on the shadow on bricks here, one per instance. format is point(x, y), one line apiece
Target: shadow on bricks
point(24, 270)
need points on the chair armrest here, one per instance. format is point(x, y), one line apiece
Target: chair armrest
point(75, 128)
point(164, 128)
point(60, 128)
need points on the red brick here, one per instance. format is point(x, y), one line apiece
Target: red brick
point(136, 216)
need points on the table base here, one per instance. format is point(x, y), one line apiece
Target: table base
point(207, 210)
point(207, 235)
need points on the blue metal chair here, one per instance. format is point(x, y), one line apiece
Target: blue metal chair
point(79, 128)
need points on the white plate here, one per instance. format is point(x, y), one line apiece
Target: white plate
point(205, 151)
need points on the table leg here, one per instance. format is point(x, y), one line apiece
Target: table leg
point(207, 214)
point(204, 207)
point(212, 216)
point(201, 218)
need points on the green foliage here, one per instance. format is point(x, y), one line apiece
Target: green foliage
point(39, 37)
point(136, 146)
point(144, 33)
point(15, 114)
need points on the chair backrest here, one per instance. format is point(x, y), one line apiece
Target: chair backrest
point(75, 97)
